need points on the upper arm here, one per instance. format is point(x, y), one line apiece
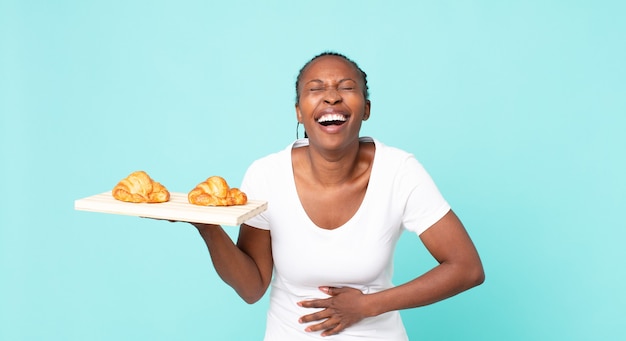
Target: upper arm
point(257, 244)
point(448, 242)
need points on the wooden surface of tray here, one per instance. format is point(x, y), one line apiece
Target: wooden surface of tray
point(178, 209)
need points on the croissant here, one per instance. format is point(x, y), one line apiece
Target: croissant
point(139, 187)
point(214, 191)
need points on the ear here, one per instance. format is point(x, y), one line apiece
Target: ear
point(298, 114)
point(366, 112)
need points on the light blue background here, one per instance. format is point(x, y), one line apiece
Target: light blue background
point(516, 108)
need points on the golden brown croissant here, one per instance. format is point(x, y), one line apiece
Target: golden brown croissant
point(139, 187)
point(214, 191)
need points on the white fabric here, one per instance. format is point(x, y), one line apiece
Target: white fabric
point(358, 254)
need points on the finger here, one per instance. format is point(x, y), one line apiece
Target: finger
point(319, 303)
point(317, 316)
point(325, 326)
point(326, 290)
point(171, 221)
point(332, 291)
point(338, 328)
point(201, 226)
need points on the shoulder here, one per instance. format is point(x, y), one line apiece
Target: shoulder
point(398, 165)
point(388, 154)
point(272, 160)
point(262, 173)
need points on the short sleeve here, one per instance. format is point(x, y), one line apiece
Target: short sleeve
point(254, 184)
point(425, 205)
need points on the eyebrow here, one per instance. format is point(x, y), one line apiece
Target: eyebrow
point(314, 81)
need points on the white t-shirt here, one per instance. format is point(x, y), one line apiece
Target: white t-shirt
point(358, 254)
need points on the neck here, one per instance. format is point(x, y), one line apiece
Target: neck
point(330, 168)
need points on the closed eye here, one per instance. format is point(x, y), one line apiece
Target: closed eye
point(347, 85)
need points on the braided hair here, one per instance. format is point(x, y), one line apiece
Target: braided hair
point(330, 53)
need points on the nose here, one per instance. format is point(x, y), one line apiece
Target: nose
point(332, 96)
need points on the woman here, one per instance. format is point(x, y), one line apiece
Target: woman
point(337, 206)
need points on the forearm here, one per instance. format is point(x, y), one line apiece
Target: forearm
point(235, 267)
point(459, 269)
point(441, 282)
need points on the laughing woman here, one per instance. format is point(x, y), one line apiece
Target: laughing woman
point(338, 204)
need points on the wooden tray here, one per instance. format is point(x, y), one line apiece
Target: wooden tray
point(178, 208)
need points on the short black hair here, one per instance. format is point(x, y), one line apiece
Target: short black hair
point(336, 54)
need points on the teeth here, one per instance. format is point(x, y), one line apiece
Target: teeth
point(331, 117)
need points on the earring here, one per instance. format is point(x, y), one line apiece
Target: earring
point(297, 132)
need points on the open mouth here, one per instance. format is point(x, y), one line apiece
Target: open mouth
point(332, 119)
